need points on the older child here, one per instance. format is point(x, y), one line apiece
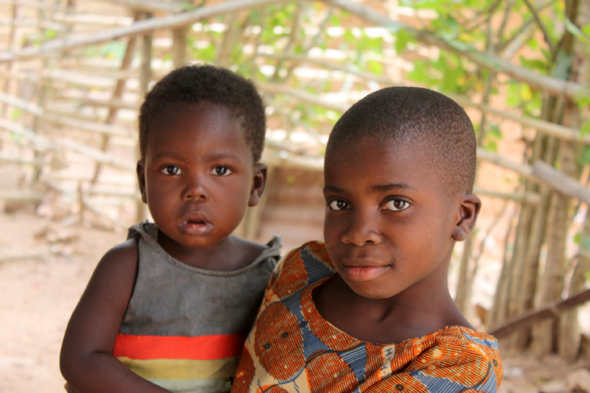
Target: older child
point(370, 310)
point(174, 303)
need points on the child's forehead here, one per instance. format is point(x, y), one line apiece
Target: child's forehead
point(365, 148)
point(194, 117)
point(187, 123)
point(379, 162)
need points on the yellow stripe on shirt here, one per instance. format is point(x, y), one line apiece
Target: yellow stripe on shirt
point(178, 369)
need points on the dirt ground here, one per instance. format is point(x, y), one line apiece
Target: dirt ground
point(42, 277)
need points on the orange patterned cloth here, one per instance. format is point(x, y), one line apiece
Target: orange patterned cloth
point(291, 348)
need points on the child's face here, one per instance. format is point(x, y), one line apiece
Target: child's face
point(198, 174)
point(389, 223)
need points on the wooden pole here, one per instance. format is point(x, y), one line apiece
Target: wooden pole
point(145, 75)
point(530, 318)
point(117, 94)
point(11, 46)
point(179, 43)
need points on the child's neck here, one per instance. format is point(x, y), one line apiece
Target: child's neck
point(393, 320)
point(230, 253)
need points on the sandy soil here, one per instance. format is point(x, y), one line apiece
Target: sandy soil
point(42, 277)
point(38, 291)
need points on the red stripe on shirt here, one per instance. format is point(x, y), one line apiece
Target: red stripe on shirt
point(176, 347)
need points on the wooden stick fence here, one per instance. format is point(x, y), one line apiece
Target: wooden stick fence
point(177, 22)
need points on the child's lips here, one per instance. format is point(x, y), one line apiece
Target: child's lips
point(363, 273)
point(196, 226)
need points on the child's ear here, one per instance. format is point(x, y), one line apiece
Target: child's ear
point(140, 169)
point(258, 184)
point(467, 216)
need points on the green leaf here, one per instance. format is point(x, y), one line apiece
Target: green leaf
point(585, 128)
point(575, 31)
point(49, 34)
point(495, 132)
point(375, 67)
point(420, 73)
point(451, 77)
point(491, 146)
point(582, 99)
point(585, 156)
point(402, 40)
point(16, 114)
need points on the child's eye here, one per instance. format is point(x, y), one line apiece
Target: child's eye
point(220, 171)
point(171, 170)
point(397, 205)
point(338, 205)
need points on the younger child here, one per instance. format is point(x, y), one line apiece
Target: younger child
point(174, 303)
point(370, 310)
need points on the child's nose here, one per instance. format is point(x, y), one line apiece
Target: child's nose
point(362, 230)
point(195, 190)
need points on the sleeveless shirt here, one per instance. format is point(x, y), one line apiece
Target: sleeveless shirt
point(184, 327)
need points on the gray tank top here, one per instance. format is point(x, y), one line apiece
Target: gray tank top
point(171, 298)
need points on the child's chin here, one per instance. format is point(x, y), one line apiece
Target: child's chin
point(370, 292)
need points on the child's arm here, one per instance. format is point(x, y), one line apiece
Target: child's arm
point(86, 359)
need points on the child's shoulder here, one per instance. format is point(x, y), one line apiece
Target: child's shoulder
point(313, 252)
point(472, 356)
point(251, 253)
point(301, 267)
point(122, 252)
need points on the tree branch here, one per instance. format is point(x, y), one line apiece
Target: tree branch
point(543, 126)
point(138, 28)
point(554, 86)
point(532, 317)
point(541, 26)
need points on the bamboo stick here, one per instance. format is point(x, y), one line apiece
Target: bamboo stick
point(20, 195)
point(29, 4)
point(105, 129)
point(42, 257)
point(117, 103)
point(552, 311)
point(95, 154)
point(179, 43)
point(42, 143)
point(21, 161)
point(145, 73)
point(117, 94)
point(32, 23)
point(71, 19)
point(303, 96)
point(9, 65)
point(16, 102)
point(530, 198)
point(525, 171)
point(87, 206)
point(138, 28)
point(149, 5)
point(47, 144)
point(560, 182)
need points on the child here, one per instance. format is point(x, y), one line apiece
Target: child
point(370, 310)
point(174, 303)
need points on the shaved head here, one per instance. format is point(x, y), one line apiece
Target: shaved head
point(417, 117)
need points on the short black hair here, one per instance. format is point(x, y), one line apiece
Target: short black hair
point(192, 84)
point(411, 114)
